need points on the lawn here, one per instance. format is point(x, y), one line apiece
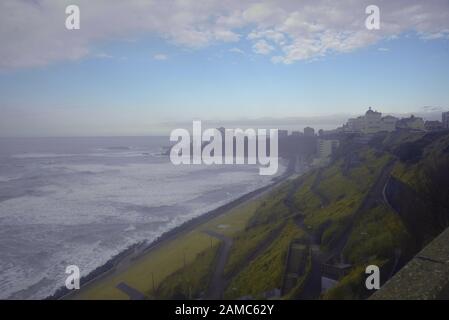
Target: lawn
point(169, 258)
point(158, 263)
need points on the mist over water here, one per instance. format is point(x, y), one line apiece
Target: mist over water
point(81, 201)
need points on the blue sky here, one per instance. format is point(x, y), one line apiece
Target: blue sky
point(135, 85)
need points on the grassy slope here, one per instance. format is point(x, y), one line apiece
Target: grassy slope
point(297, 290)
point(268, 216)
point(344, 192)
point(265, 272)
point(376, 234)
point(189, 282)
point(379, 231)
point(413, 172)
point(169, 258)
point(161, 263)
point(373, 240)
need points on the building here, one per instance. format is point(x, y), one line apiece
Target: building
point(389, 123)
point(433, 125)
point(371, 122)
point(296, 133)
point(355, 125)
point(325, 149)
point(445, 119)
point(309, 132)
point(411, 123)
point(282, 134)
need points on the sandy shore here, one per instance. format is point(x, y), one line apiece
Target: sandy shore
point(126, 258)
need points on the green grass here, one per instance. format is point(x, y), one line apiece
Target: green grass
point(190, 282)
point(335, 211)
point(373, 240)
point(334, 185)
point(353, 286)
point(304, 198)
point(344, 192)
point(159, 263)
point(270, 213)
point(377, 234)
point(245, 243)
point(235, 221)
point(265, 272)
point(297, 290)
point(271, 209)
point(415, 174)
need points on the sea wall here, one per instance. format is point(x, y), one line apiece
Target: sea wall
point(425, 277)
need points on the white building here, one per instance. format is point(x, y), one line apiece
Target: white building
point(325, 149)
point(371, 122)
point(355, 124)
point(389, 123)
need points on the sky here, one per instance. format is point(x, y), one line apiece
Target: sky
point(142, 67)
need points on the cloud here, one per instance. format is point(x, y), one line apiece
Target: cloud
point(103, 56)
point(275, 36)
point(432, 109)
point(262, 47)
point(236, 50)
point(160, 56)
point(226, 36)
point(32, 33)
point(383, 49)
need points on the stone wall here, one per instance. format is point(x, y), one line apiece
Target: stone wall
point(425, 277)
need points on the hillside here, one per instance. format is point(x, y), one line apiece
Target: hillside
point(377, 203)
point(338, 216)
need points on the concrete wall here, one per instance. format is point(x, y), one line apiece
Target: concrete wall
point(425, 277)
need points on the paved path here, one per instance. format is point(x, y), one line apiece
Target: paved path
point(312, 287)
point(314, 188)
point(133, 294)
point(374, 196)
point(218, 281)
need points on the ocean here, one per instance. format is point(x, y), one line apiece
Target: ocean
point(81, 201)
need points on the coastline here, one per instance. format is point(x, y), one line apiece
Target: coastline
point(126, 257)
